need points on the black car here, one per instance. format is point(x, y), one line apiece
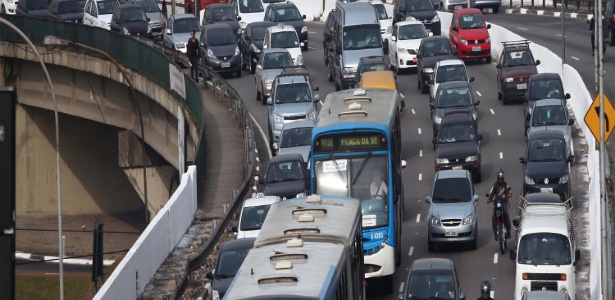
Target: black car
point(33, 8)
point(420, 10)
point(231, 256)
point(431, 50)
point(542, 86)
point(220, 50)
point(370, 63)
point(222, 13)
point(327, 35)
point(286, 177)
point(514, 68)
point(251, 43)
point(452, 95)
point(130, 19)
point(546, 168)
point(65, 11)
point(432, 278)
point(288, 14)
point(458, 145)
point(609, 22)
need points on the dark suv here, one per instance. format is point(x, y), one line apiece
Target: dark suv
point(515, 66)
point(542, 86)
point(420, 10)
point(286, 177)
point(452, 96)
point(431, 50)
point(288, 14)
point(370, 63)
point(327, 35)
point(222, 13)
point(546, 166)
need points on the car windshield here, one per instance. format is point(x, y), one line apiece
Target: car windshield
point(544, 249)
point(362, 37)
point(457, 133)
point(419, 5)
point(186, 25)
point(431, 284)
point(284, 171)
point(451, 73)
point(106, 7)
point(451, 190)
point(518, 58)
point(471, 21)
point(437, 47)
point(549, 115)
point(223, 14)
point(133, 15)
point(277, 60)
point(382, 12)
point(296, 137)
point(541, 89)
point(454, 97)
point(149, 6)
point(284, 39)
point(287, 14)
point(412, 32)
point(546, 150)
point(68, 7)
point(293, 93)
point(229, 262)
point(250, 6)
point(220, 37)
point(252, 217)
point(258, 33)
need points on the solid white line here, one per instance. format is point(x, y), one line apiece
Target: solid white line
point(495, 258)
point(401, 287)
point(414, 113)
point(492, 112)
point(418, 218)
point(499, 132)
point(260, 129)
point(501, 155)
point(420, 176)
point(492, 294)
point(521, 28)
point(419, 130)
point(575, 58)
point(420, 153)
point(411, 251)
point(478, 93)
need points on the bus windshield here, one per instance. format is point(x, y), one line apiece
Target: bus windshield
point(544, 249)
point(364, 178)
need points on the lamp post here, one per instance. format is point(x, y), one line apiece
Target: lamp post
point(57, 133)
point(56, 41)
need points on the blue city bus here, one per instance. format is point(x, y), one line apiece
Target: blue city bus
point(356, 152)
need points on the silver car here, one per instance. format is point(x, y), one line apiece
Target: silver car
point(270, 64)
point(178, 29)
point(452, 212)
point(551, 114)
point(296, 137)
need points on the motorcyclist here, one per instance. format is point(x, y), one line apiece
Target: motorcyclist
point(500, 187)
point(485, 291)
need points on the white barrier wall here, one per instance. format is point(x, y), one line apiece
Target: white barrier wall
point(154, 245)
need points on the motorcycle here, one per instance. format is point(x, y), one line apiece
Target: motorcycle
point(499, 219)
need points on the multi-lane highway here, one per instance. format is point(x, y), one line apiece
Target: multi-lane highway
point(503, 144)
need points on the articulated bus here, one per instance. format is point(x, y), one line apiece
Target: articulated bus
point(356, 152)
point(308, 248)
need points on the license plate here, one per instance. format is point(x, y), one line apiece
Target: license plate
point(225, 64)
point(369, 220)
point(457, 6)
point(522, 86)
point(476, 48)
point(451, 233)
point(546, 190)
point(457, 167)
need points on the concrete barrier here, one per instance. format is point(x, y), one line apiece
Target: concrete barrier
point(142, 261)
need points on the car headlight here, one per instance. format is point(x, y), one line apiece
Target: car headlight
point(529, 180)
point(389, 29)
point(564, 179)
point(566, 138)
point(149, 29)
point(509, 79)
point(468, 220)
point(472, 158)
point(402, 50)
point(278, 119)
point(437, 120)
point(488, 40)
point(125, 31)
point(304, 29)
point(434, 221)
point(215, 295)
point(255, 49)
point(436, 19)
point(474, 116)
point(428, 70)
point(179, 45)
point(268, 80)
point(524, 290)
point(442, 160)
point(243, 25)
point(312, 116)
point(299, 60)
point(349, 72)
point(463, 42)
point(210, 53)
point(104, 25)
point(236, 50)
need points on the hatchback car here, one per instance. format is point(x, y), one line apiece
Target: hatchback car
point(404, 44)
point(251, 43)
point(154, 15)
point(98, 12)
point(270, 64)
point(179, 30)
point(219, 46)
point(431, 50)
point(546, 167)
point(65, 11)
point(222, 13)
point(231, 256)
point(286, 177)
point(130, 19)
point(452, 210)
point(551, 114)
point(33, 8)
point(284, 36)
point(288, 14)
point(253, 214)
point(448, 70)
point(421, 10)
point(469, 35)
point(368, 64)
point(249, 11)
point(452, 94)
point(542, 86)
point(514, 69)
point(432, 278)
point(296, 137)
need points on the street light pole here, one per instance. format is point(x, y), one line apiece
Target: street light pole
point(57, 133)
point(563, 36)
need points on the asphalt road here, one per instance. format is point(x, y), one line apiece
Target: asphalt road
point(503, 144)
point(23, 266)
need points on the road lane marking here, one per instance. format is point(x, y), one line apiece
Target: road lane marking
point(420, 153)
point(311, 32)
point(492, 112)
point(574, 58)
point(501, 155)
point(418, 218)
point(499, 132)
point(419, 130)
point(492, 294)
point(420, 176)
point(311, 48)
point(410, 253)
point(521, 28)
point(401, 287)
point(265, 138)
point(478, 93)
point(495, 258)
point(414, 113)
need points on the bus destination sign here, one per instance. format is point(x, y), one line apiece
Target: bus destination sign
point(345, 142)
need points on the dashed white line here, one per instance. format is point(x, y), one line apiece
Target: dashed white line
point(492, 294)
point(418, 218)
point(478, 93)
point(501, 155)
point(574, 58)
point(411, 251)
point(495, 258)
point(414, 113)
point(420, 176)
point(419, 130)
point(312, 48)
point(401, 287)
point(420, 153)
point(521, 28)
point(311, 32)
point(492, 112)
point(499, 132)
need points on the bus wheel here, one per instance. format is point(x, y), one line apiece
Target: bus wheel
point(388, 284)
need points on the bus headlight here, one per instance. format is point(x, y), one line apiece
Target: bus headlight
point(563, 289)
point(524, 290)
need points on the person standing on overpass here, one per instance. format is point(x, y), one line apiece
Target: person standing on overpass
point(592, 28)
point(194, 53)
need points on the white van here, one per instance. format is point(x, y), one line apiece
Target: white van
point(98, 12)
point(253, 214)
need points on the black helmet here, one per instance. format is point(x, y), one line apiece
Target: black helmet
point(500, 174)
point(485, 289)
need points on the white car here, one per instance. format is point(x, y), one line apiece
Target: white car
point(9, 6)
point(404, 44)
point(284, 36)
point(253, 214)
point(249, 11)
point(98, 12)
point(448, 70)
point(386, 21)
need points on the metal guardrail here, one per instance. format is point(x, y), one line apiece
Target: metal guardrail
point(554, 3)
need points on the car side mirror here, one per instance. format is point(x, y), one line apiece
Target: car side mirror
point(393, 38)
point(477, 103)
point(479, 137)
point(571, 157)
point(238, 18)
point(234, 229)
point(516, 222)
point(303, 17)
point(475, 198)
point(522, 160)
point(567, 96)
point(488, 26)
point(269, 102)
point(169, 31)
point(428, 199)
point(498, 66)
point(462, 296)
point(403, 164)
point(513, 254)
point(471, 79)
point(316, 89)
point(537, 61)
point(209, 275)
point(577, 255)
point(570, 121)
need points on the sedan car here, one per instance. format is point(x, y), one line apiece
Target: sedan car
point(458, 145)
point(431, 50)
point(452, 94)
point(469, 35)
point(178, 31)
point(432, 278)
point(251, 43)
point(368, 64)
point(287, 13)
point(222, 13)
point(448, 70)
point(296, 137)
point(551, 114)
point(404, 44)
point(452, 211)
point(231, 256)
point(219, 46)
point(270, 64)
point(130, 19)
point(65, 11)
point(286, 177)
point(542, 86)
point(514, 69)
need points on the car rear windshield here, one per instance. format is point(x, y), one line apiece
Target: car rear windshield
point(277, 60)
point(437, 47)
point(287, 14)
point(419, 5)
point(471, 21)
point(250, 6)
point(68, 7)
point(451, 73)
point(546, 150)
point(106, 7)
point(284, 39)
point(185, 25)
point(221, 36)
point(451, 190)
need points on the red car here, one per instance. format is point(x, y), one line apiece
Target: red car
point(468, 34)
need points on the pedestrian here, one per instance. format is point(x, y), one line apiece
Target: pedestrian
point(194, 54)
point(592, 28)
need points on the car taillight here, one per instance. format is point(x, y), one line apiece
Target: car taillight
point(613, 19)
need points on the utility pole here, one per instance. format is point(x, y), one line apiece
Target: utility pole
point(563, 36)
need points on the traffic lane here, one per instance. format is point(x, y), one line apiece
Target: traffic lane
point(24, 266)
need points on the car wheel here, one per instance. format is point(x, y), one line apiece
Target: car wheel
point(430, 245)
point(488, 59)
point(504, 100)
point(478, 177)
point(424, 88)
point(499, 96)
point(418, 80)
point(611, 35)
point(305, 46)
point(252, 67)
point(243, 65)
point(337, 87)
point(388, 284)
point(238, 72)
point(496, 10)
point(474, 242)
point(329, 77)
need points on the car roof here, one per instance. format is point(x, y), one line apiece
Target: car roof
point(543, 76)
point(432, 264)
point(298, 124)
point(450, 62)
point(548, 102)
point(458, 117)
point(545, 295)
point(184, 16)
point(247, 243)
point(542, 198)
point(547, 222)
point(280, 27)
point(409, 22)
point(445, 174)
point(545, 134)
point(291, 78)
point(286, 157)
point(216, 26)
point(372, 59)
point(282, 4)
point(219, 5)
point(453, 84)
point(258, 201)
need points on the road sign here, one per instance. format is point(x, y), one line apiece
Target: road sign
point(592, 118)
